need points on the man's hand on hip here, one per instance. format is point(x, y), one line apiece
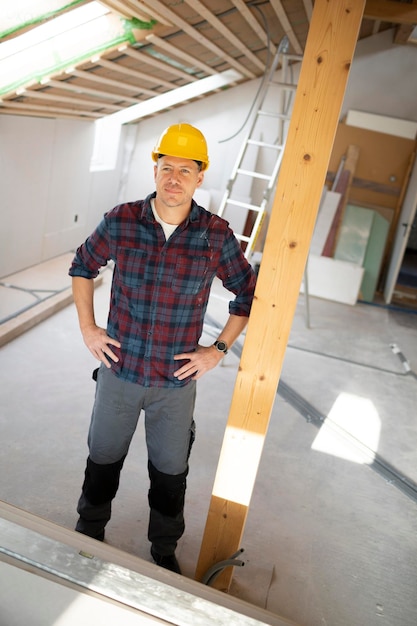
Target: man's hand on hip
point(98, 342)
point(199, 362)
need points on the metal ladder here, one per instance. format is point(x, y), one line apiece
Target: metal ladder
point(252, 208)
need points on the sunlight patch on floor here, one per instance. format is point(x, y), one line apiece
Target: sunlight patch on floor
point(351, 430)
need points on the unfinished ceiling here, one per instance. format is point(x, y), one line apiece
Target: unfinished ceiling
point(157, 46)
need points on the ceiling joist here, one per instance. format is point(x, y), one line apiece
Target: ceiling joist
point(254, 25)
point(197, 36)
point(139, 77)
point(224, 31)
point(174, 44)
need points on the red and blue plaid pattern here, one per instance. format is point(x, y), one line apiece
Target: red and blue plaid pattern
point(160, 288)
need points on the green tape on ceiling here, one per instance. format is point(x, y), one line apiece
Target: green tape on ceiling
point(127, 36)
point(135, 24)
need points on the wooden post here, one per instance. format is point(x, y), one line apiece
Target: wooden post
point(324, 73)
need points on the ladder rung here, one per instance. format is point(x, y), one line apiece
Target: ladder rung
point(288, 86)
point(264, 144)
point(254, 174)
point(292, 57)
point(278, 116)
point(282, 122)
point(244, 205)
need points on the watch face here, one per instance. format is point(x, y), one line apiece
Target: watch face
point(221, 346)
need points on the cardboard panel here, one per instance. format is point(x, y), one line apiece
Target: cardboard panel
point(381, 168)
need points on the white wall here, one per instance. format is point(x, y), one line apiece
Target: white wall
point(45, 183)
point(44, 164)
point(383, 78)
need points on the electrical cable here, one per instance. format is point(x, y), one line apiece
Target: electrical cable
point(217, 568)
point(282, 43)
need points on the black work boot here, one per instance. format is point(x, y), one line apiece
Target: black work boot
point(167, 562)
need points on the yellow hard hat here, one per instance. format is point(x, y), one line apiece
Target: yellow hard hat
point(185, 141)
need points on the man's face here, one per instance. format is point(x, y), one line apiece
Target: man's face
point(176, 180)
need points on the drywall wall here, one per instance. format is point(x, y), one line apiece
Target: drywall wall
point(45, 179)
point(49, 198)
point(383, 78)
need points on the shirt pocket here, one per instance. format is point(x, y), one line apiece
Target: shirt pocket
point(189, 274)
point(131, 266)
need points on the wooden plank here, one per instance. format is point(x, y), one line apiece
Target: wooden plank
point(324, 73)
point(248, 15)
point(286, 25)
point(218, 25)
point(403, 33)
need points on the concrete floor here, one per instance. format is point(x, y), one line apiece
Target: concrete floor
point(330, 538)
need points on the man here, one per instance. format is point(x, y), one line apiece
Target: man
point(167, 251)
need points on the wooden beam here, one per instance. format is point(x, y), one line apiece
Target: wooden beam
point(286, 25)
point(91, 77)
point(160, 42)
point(403, 33)
point(324, 73)
point(49, 97)
point(118, 68)
point(218, 25)
point(195, 34)
point(308, 6)
point(248, 16)
point(22, 108)
point(133, 8)
point(142, 57)
point(389, 11)
point(73, 87)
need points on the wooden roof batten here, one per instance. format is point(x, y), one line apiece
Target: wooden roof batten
point(201, 39)
point(190, 40)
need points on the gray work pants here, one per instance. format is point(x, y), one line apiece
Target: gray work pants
point(169, 428)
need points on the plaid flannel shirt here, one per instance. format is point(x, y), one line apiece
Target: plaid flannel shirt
point(160, 288)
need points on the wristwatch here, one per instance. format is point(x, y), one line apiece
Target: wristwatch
point(221, 346)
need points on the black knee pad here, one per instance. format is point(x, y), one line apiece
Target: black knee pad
point(101, 482)
point(167, 491)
